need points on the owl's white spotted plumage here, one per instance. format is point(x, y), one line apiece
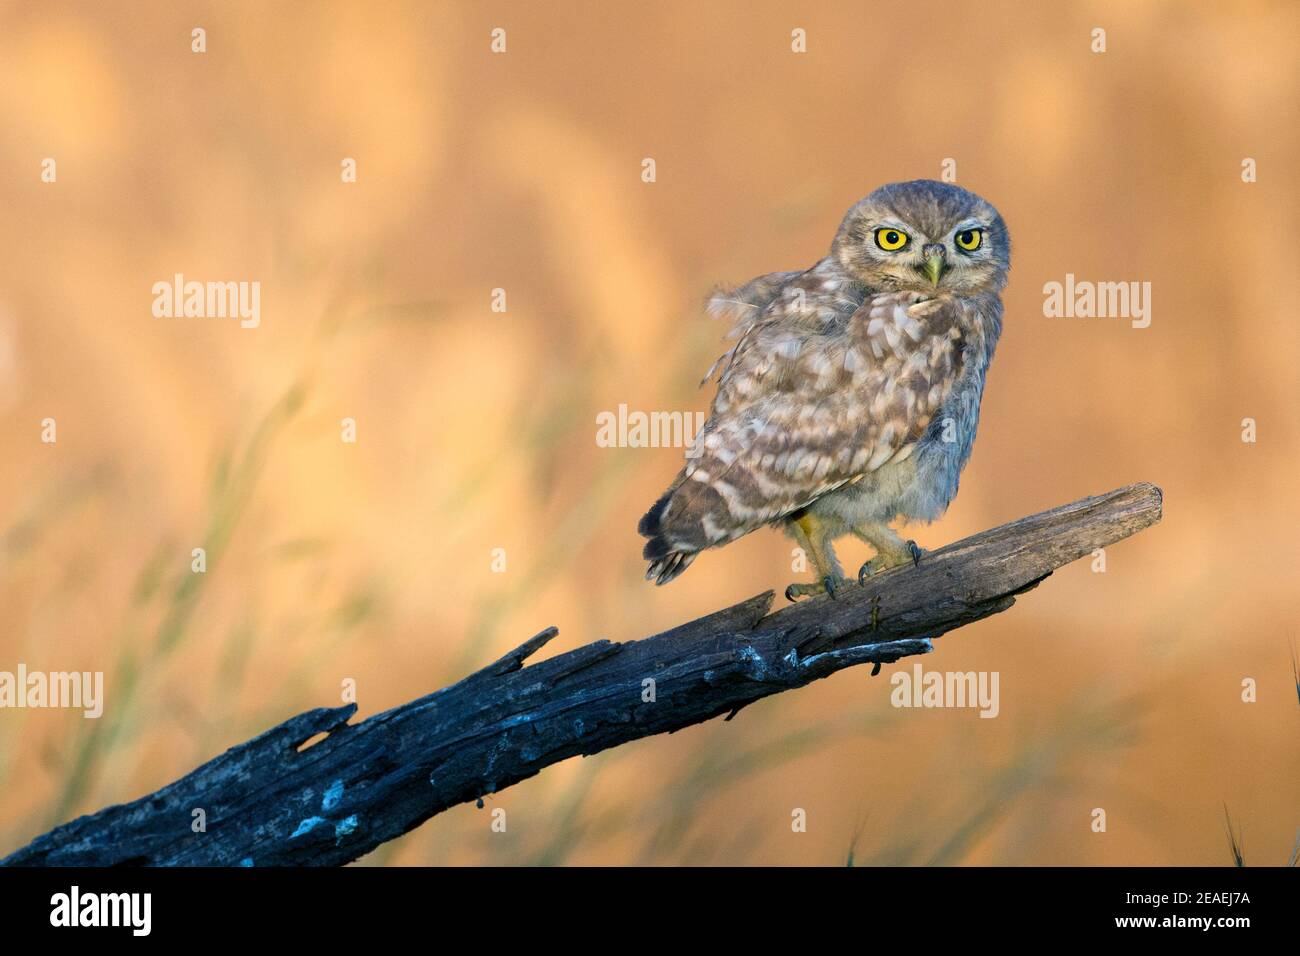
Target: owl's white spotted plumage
point(852, 393)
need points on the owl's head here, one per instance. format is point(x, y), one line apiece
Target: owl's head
point(924, 236)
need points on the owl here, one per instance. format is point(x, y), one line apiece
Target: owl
point(852, 393)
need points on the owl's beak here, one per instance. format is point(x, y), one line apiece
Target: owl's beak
point(934, 263)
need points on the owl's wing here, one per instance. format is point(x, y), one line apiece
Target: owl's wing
point(803, 408)
point(745, 307)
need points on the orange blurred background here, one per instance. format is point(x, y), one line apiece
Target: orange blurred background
point(521, 171)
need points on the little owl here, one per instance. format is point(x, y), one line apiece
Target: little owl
point(852, 393)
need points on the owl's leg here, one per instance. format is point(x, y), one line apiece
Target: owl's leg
point(891, 550)
point(813, 536)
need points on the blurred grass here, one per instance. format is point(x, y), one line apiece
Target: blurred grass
point(945, 831)
point(234, 483)
point(1235, 844)
point(667, 821)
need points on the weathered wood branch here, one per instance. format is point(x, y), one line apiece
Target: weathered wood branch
point(268, 803)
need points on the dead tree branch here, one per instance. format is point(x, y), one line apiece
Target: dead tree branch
point(267, 803)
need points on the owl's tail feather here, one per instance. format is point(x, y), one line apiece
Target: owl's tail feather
point(665, 569)
point(675, 529)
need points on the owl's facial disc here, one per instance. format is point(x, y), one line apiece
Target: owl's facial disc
point(926, 237)
point(892, 253)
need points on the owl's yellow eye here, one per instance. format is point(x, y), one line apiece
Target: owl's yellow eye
point(970, 239)
point(891, 240)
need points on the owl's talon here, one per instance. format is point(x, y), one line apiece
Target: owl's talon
point(830, 584)
point(887, 560)
point(871, 568)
